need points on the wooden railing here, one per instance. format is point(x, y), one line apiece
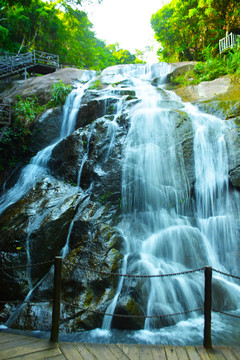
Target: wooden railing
point(19, 62)
point(5, 114)
point(229, 42)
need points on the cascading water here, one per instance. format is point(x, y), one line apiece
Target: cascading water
point(166, 231)
point(169, 224)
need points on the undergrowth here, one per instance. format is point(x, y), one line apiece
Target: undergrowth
point(15, 145)
point(212, 68)
point(60, 92)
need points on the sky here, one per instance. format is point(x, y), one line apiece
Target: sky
point(126, 22)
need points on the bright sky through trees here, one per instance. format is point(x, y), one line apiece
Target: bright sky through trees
point(125, 21)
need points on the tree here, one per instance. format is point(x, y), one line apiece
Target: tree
point(57, 28)
point(185, 28)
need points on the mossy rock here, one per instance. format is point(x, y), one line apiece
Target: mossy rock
point(128, 306)
point(223, 109)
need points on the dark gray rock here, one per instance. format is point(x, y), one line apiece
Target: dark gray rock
point(66, 157)
point(232, 139)
point(95, 109)
point(47, 130)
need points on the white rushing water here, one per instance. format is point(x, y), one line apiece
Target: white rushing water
point(165, 229)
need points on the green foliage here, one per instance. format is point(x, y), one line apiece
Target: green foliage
point(97, 84)
point(16, 140)
point(15, 146)
point(105, 197)
point(212, 68)
point(185, 28)
point(62, 30)
point(60, 92)
point(26, 111)
point(215, 67)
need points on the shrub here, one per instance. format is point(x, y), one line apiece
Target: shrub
point(212, 68)
point(26, 111)
point(60, 92)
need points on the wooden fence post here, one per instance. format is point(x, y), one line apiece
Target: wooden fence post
point(56, 299)
point(207, 341)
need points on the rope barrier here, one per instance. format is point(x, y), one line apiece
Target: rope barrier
point(130, 316)
point(57, 297)
point(226, 274)
point(119, 274)
point(139, 276)
point(24, 302)
point(26, 266)
point(225, 313)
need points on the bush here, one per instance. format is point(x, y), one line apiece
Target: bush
point(26, 111)
point(60, 92)
point(212, 68)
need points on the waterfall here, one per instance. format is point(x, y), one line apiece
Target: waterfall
point(169, 223)
point(165, 229)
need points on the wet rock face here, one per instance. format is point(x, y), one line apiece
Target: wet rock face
point(56, 210)
point(47, 129)
point(43, 219)
point(95, 109)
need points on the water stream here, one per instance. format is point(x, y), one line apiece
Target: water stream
point(169, 225)
point(165, 229)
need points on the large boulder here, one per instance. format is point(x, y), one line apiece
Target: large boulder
point(41, 86)
point(205, 90)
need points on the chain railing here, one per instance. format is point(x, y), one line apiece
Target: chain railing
point(56, 300)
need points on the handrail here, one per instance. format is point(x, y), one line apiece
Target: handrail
point(229, 42)
point(207, 308)
point(5, 114)
point(22, 61)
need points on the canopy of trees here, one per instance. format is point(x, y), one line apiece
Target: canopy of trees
point(185, 28)
point(59, 28)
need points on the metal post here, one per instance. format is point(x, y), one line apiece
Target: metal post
point(56, 299)
point(207, 341)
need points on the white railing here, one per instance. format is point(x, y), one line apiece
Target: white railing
point(229, 42)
